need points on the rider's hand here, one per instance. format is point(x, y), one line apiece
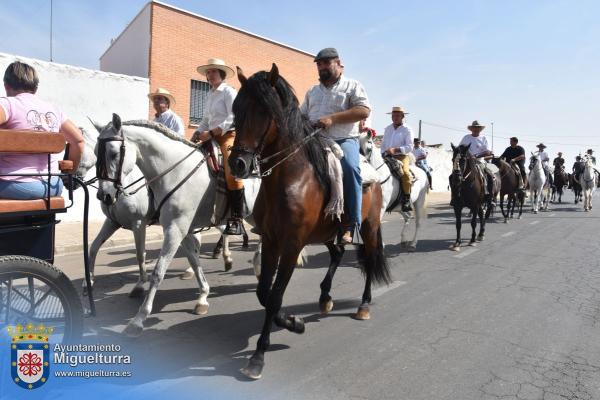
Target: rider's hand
point(200, 136)
point(324, 122)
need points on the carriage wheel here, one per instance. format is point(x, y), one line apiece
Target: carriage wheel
point(34, 291)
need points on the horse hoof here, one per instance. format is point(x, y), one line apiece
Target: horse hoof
point(133, 330)
point(188, 274)
point(473, 244)
point(201, 309)
point(217, 254)
point(137, 292)
point(519, 217)
point(411, 248)
point(228, 266)
point(480, 238)
point(253, 370)
point(363, 313)
point(326, 307)
point(455, 247)
point(297, 324)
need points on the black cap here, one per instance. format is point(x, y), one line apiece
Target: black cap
point(326, 53)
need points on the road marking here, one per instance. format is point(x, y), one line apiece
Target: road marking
point(534, 222)
point(465, 253)
point(379, 291)
point(507, 234)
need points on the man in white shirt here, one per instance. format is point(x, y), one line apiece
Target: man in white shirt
point(479, 148)
point(545, 160)
point(337, 104)
point(421, 154)
point(217, 123)
point(397, 143)
point(162, 101)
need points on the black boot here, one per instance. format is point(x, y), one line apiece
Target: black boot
point(236, 206)
point(405, 201)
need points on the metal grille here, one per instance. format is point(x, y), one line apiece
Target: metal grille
point(198, 94)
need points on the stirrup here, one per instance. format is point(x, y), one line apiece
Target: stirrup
point(233, 227)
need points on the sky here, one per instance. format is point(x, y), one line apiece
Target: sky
point(528, 67)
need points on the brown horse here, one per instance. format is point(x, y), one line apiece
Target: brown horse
point(467, 190)
point(273, 134)
point(561, 180)
point(509, 187)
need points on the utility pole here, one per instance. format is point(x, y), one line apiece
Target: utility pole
point(420, 130)
point(51, 7)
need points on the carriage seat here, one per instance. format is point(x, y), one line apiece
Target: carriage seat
point(33, 142)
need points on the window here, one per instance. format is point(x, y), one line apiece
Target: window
point(198, 93)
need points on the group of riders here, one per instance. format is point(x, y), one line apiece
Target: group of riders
point(339, 106)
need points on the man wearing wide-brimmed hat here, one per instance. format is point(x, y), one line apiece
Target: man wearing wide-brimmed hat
point(545, 160)
point(217, 124)
point(398, 142)
point(590, 154)
point(162, 101)
point(479, 148)
point(337, 105)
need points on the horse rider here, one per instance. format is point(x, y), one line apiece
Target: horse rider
point(421, 154)
point(559, 162)
point(515, 155)
point(217, 124)
point(336, 105)
point(589, 154)
point(578, 167)
point(162, 101)
point(480, 150)
point(545, 160)
point(397, 143)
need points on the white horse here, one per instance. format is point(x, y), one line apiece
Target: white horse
point(588, 182)
point(184, 194)
point(538, 184)
point(390, 187)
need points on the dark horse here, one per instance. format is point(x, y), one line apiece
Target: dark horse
point(560, 181)
point(289, 208)
point(466, 186)
point(509, 186)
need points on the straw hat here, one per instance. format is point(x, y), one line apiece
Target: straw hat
point(541, 146)
point(476, 124)
point(398, 109)
point(164, 93)
point(215, 63)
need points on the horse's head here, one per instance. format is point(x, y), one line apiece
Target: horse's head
point(113, 162)
point(260, 115)
point(366, 144)
point(533, 160)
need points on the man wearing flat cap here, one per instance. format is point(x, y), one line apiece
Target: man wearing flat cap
point(162, 101)
point(398, 142)
point(336, 105)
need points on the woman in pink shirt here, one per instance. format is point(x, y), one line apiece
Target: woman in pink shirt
point(23, 110)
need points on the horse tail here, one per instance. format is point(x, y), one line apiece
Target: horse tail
point(375, 265)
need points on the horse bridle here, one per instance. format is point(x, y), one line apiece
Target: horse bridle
point(256, 154)
point(101, 170)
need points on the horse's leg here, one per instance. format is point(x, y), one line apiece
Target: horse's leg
point(139, 236)
point(474, 225)
point(218, 248)
point(273, 305)
point(482, 219)
point(227, 260)
point(406, 218)
point(256, 259)
point(244, 237)
point(107, 230)
point(419, 213)
point(192, 248)
point(172, 239)
point(335, 253)
point(505, 215)
point(458, 217)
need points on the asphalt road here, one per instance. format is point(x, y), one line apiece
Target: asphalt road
point(517, 317)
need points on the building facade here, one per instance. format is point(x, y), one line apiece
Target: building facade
point(166, 44)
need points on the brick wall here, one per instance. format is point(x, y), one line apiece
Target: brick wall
point(180, 42)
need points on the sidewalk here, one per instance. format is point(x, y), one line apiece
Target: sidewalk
point(69, 237)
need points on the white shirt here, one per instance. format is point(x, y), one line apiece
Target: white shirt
point(401, 137)
point(544, 157)
point(420, 152)
point(478, 144)
point(171, 121)
point(341, 96)
point(218, 112)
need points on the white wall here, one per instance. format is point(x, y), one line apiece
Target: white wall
point(130, 52)
point(441, 161)
point(80, 93)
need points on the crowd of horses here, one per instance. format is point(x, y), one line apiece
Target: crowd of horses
point(178, 191)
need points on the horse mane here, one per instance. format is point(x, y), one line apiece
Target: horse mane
point(285, 111)
point(144, 123)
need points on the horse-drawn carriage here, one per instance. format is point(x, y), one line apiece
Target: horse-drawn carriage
point(32, 289)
